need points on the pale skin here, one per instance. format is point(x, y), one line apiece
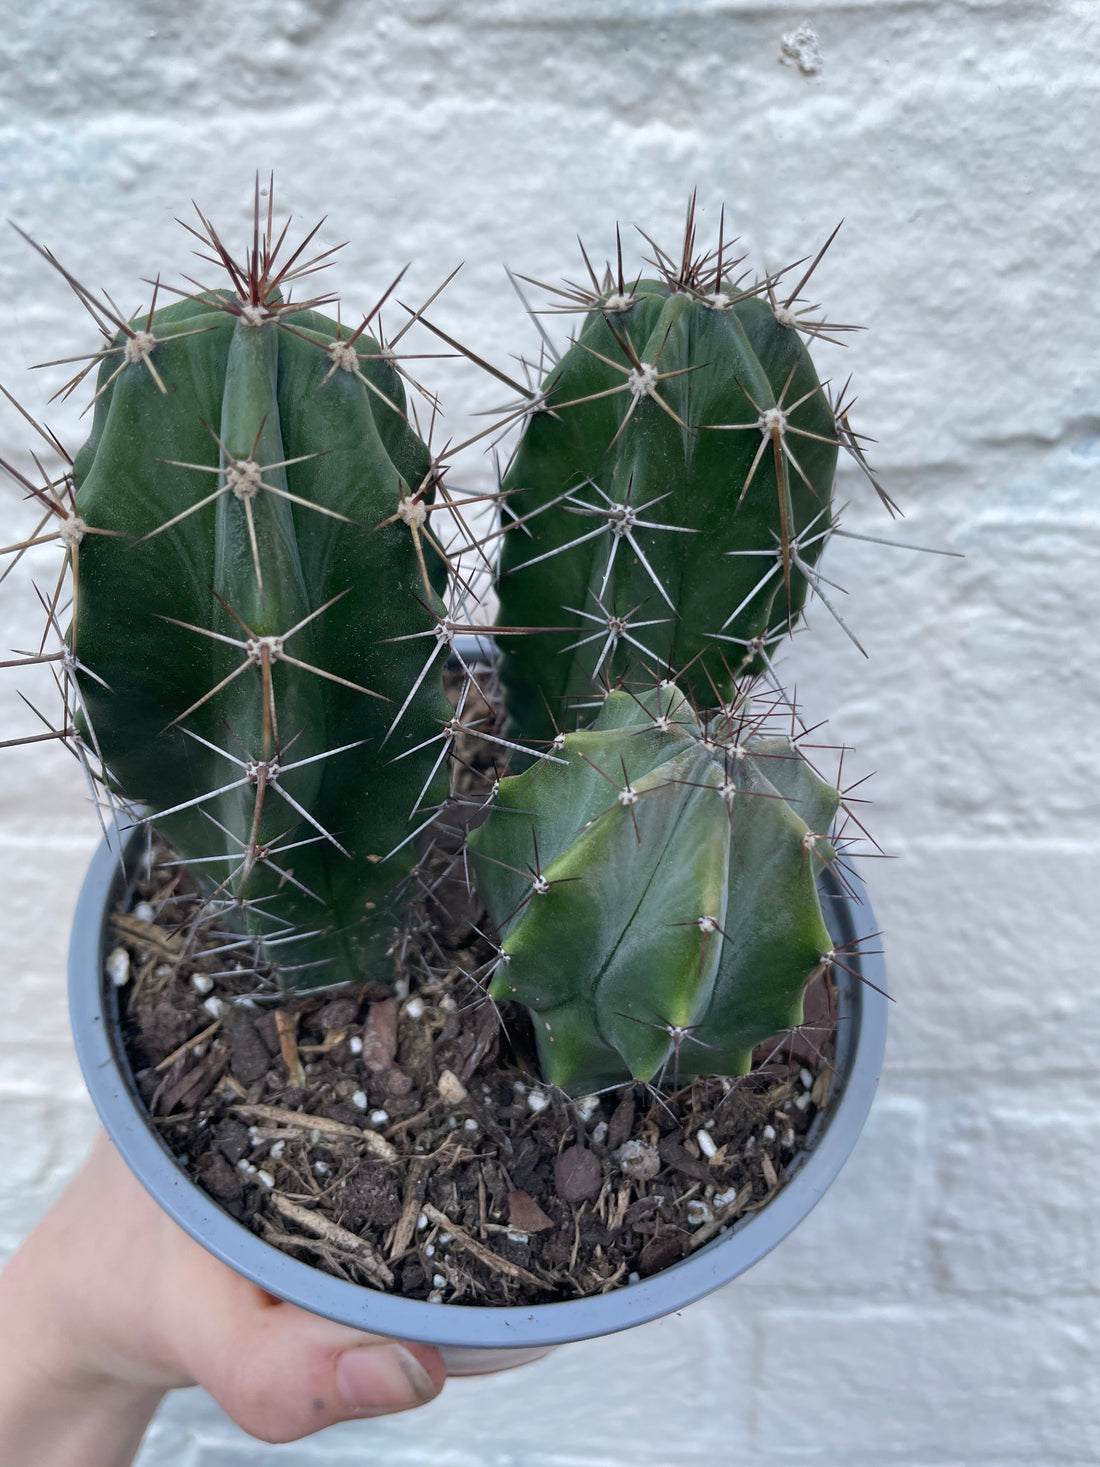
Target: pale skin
point(109, 1304)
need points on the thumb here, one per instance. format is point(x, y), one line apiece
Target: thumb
point(282, 1373)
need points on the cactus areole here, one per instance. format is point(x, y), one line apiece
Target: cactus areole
point(252, 614)
point(656, 891)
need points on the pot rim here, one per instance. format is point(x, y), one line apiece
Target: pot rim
point(861, 1042)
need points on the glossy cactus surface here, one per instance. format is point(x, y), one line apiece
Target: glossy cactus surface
point(655, 894)
point(674, 490)
point(235, 631)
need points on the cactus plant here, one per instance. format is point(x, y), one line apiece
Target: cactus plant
point(674, 482)
point(256, 620)
point(655, 892)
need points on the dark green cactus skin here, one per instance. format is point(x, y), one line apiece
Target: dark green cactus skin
point(606, 949)
point(262, 389)
point(721, 362)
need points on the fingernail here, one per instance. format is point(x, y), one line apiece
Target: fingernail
point(383, 1378)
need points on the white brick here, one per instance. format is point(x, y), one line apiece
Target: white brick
point(986, 946)
point(43, 1143)
point(43, 880)
point(894, 1385)
point(1017, 1195)
point(167, 1444)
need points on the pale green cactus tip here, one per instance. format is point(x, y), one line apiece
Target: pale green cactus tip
point(653, 881)
point(256, 642)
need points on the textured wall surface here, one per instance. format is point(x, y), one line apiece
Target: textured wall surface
point(940, 1309)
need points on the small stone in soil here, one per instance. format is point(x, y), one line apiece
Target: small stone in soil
point(578, 1175)
point(338, 1013)
point(451, 1088)
point(659, 1253)
point(637, 1160)
point(118, 966)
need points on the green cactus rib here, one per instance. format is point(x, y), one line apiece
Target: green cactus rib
point(655, 894)
point(237, 629)
point(674, 485)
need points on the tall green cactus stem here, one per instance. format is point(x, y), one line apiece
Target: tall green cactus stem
point(656, 893)
point(260, 613)
point(674, 486)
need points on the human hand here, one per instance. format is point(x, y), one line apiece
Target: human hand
point(109, 1304)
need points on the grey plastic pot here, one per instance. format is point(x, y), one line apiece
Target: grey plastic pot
point(474, 1340)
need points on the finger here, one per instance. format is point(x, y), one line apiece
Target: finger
point(282, 1373)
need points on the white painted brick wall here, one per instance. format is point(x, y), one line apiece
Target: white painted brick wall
point(940, 1308)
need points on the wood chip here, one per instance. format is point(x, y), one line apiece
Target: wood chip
point(621, 1124)
point(619, 1209)
point(301, 1120)
point(169, 1059)
point(462, 1239)
point(364, 1255)
point(416, 1179)
point(188, 1086)
point(380, 1036)
point(643, 1208)
point(525, 1213)
point(660, 1252)
point(488, 1033)
point(147, 937)
point(674, 1155)
point(286, 1024)
point(768, 1170)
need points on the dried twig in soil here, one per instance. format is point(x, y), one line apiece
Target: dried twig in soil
point(301, 1120)
point(484, 1255)
point(359, 1249)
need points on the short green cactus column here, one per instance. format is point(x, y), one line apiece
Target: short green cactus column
point(656, 893)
